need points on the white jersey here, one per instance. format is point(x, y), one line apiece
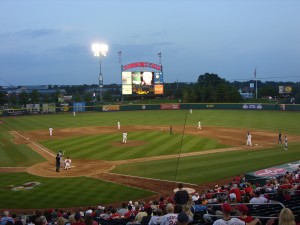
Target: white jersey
point(68, 163)
point(50, 131)
point(169, 219)
point(231, 221)
point(124, 137)
point(199, 125)
point(155, 220)
point(119, 125)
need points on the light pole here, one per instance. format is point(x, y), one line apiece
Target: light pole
point(100, 50)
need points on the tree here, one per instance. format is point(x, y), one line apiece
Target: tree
point(212, 88)
point(3, 97)
point(23, 98)
point(88, 97)
point(189, 94)
point(35, 96)
point(77, 97)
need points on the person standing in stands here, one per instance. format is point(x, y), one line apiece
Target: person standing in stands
point(181, 196)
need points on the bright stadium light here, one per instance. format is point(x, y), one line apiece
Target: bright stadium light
point(100, 50)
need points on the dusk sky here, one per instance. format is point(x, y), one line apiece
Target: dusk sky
point(49, 42)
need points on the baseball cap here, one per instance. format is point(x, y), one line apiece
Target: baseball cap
point(232, 196)
point(226, 208)
point(243, 208)
point(182, 218)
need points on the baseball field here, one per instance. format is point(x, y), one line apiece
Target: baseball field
point(106, 171)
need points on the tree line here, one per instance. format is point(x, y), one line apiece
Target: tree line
point(209, 87)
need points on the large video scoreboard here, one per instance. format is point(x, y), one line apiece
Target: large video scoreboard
point(140, 82)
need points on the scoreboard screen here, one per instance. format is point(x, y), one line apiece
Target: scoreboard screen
point(142, 82)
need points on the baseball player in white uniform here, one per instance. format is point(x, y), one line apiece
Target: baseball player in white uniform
point(68, 163)
point(50, 131)
point(74, 113)
point(199, 125)
point(249, 139)
point(119, 125)
point(124, 138)
point(285, 143)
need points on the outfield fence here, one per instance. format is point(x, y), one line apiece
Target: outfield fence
point(48, 108)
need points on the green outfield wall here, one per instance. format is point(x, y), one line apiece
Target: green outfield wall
point(83, 107)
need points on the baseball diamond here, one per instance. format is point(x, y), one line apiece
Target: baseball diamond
point(151, 160)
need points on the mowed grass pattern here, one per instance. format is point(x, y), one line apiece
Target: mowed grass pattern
point(66, 192)
point(150, 143)
point(55, 192)
point(206, 168)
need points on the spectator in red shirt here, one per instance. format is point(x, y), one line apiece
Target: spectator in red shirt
point(130, 211)
point(243, 211)
point(114, 214)
point(234, 189)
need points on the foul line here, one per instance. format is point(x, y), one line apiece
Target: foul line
point(13, 132)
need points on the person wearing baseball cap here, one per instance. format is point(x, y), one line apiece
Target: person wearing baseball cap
point(243, 211)
point(227, 220)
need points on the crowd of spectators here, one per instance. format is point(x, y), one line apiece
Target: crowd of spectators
point(225, 204)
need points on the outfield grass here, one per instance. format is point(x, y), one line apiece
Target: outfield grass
point(288, 122)
point(197, 169)
point(210, 167)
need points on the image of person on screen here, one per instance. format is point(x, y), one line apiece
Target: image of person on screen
point(147, 78)
point(136, 78)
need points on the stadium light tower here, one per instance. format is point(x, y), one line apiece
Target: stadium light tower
point(100, 50)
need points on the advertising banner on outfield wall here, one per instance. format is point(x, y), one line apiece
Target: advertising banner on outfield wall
point(78, 106)
point(169, 106)
point(252, 106)
point(107, 108)
point(48, 108)
point(64, 107)
point(14, 112)
point(33, 108)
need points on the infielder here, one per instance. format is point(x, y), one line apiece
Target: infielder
point(285, 143)
point(50, 131)
point(171, 130)
point(119, 125)
point(124, 138)
point(249, 139)
point(199, 126)
point(68, 163)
